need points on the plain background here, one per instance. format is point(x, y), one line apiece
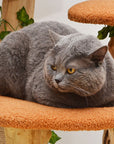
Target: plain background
point(56, 10)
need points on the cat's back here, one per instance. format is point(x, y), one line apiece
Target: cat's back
point(39, 32)
point(41, 29)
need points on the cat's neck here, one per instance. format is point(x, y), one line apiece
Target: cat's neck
point(106, 95)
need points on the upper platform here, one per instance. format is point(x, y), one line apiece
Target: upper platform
point(93, 11)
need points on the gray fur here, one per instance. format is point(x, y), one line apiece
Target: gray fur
point(26, 57)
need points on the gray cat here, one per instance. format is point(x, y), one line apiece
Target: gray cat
point(53, 64)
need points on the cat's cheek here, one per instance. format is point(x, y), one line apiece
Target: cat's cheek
point(46, 72)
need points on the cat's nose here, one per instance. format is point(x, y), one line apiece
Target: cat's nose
point(57, 81)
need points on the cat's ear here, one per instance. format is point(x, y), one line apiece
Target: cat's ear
point(98, 55)
point(54, 36)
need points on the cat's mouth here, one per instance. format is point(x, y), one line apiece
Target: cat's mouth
point(60, 88)
point(77, 90)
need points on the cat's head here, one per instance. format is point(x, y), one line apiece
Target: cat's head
point(75, 64)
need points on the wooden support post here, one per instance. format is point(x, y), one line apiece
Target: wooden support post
point(24, 136)
point(108, 136)
point(111, 46)
point(10, 7)
point(2, 136)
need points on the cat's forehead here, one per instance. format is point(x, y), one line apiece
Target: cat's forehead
point(72, 61)
point(78, 42)
point(78, 62)
point(75, 46)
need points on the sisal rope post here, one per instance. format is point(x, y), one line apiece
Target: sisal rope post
point(2, 136)
point(13, 135)
point(10, 7)
point(111, 46)
point(108, 136)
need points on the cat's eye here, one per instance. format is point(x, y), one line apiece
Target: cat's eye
point(53, 68)
point(71, 70)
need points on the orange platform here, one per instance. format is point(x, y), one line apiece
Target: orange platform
point(28, 115)
point(93, 11)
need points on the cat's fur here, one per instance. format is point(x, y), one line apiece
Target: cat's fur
point(25, 72)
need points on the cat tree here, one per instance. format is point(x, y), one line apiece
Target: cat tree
point(30, 123)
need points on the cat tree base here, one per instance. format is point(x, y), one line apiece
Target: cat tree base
point(26, 136)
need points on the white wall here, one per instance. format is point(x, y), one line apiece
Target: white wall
point(42, 14)
point(57, 10)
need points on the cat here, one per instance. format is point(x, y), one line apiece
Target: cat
point(53, 64)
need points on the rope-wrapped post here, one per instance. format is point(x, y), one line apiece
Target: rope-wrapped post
point(2, 136)
point(108, 136)
point(10, 7)
point(111, 46)
point(13, 135)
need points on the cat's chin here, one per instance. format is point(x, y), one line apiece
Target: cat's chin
point(62, 90)
point(58, 88)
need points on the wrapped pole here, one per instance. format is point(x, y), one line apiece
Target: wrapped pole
point(111, 46)
point(108, 136)
point(10, 7)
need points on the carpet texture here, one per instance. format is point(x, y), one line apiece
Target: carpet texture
point(93, 11)
point(27, 115)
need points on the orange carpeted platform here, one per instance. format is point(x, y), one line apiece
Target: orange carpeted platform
point(22, 114)
point(93, 11)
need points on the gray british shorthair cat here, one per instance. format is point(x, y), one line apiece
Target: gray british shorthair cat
point(53, 64)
